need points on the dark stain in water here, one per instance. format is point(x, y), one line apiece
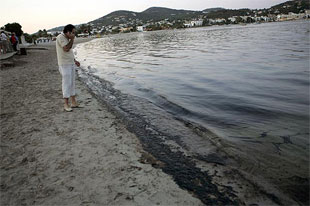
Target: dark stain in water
point(300, 185)
point(183, 169)
point(286, 139)
point(175, 163)
point(212, 158)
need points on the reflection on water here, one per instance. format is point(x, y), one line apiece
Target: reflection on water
point(249, 84)
point(253, 77)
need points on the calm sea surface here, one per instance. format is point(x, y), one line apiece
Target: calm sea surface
point(248, 84)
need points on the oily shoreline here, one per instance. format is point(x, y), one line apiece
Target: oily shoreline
point(143, 119)
point(213, 177)
point(207, 183)
point(49, 157)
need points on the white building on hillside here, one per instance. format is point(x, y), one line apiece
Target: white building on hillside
point(141, 28)
point(220, 20)
point(232, 19)
point(290, 16)
point(245, 18)
point(211, 21)
point(54, 32)
point(196, 23)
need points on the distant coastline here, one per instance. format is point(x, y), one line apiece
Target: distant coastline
point(159, 18)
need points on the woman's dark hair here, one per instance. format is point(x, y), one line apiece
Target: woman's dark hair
point(69, 28)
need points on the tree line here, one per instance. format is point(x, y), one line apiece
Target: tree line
point(17, 29)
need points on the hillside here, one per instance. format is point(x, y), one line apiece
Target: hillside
point(226, 13)
point(59, 28)
point(150, 14)
point(115, 18)
point(155, 14)
point(159, 13)
point(291, 6)
point(212, 10)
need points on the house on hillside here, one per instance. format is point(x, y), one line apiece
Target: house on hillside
point(94, 31)
point(245, 18)
point(193, 23)
point(232, 19)
point(54, 33)
point(261, 18)
point(141, 28)
point(290, 16)
point(220, 20)
point(196, 23)
point(126, 29)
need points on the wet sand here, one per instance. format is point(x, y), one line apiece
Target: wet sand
point(86, 157)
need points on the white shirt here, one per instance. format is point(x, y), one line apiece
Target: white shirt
point(3, 37)
point(64, 58)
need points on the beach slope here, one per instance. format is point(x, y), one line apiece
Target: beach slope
point(86, 157)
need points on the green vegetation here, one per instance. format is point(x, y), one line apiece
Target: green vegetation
point(14, 27)
point(291, 6)
point(83, 28)
point(226, 13)
point(28, 37)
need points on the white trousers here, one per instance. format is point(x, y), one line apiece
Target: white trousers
point(68, 80)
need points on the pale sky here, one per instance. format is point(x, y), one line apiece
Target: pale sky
point(33, 15)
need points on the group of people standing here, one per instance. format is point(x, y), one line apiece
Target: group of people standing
point(8, 43)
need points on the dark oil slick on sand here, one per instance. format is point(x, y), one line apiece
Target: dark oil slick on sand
point(228, 97)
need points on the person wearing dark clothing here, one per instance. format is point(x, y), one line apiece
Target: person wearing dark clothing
point(14, 41)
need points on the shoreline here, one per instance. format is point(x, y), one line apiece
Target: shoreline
point(50, 157)
point(215, 177)
point(248, 170)
point(138, 169)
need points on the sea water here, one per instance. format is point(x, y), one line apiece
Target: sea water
point(247, 84)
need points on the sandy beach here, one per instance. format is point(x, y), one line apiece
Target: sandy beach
point(90, 157)
point(86, 157)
